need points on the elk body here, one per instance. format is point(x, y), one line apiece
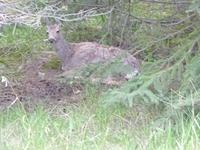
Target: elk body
point(77, 55)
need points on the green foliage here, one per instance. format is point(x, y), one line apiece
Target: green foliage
point(88, 30)
point(162, 80)
point(150, 11)
point(195, 6)
point(54, 63)
point(18, 43)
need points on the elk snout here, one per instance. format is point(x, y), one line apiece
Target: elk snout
point(51, 37)
point(52, 40)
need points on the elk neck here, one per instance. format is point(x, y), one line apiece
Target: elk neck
point(62, 46)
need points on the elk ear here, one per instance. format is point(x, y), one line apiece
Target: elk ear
point(57, 25)
point(47, 21)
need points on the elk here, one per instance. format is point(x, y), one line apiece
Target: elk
point(74, 55)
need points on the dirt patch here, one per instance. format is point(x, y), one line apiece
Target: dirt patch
point(39, 85)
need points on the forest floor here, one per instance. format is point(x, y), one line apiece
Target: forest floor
point(38, 84)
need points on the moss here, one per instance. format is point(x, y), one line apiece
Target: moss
point(53, 63)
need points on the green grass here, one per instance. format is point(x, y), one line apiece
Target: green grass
point(151, 10)
point(91, 126)
point(86, 125)
point(19, 44)
point(54, 63)
point(78, 128)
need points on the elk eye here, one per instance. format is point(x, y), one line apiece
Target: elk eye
point(57, 31)
point(47, 32)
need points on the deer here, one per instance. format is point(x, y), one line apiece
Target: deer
point(75, 55)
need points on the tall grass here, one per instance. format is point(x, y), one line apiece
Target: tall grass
point(90, 126)
point(19, 44)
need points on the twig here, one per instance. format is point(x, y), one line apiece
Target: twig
point(162, 39)
point(165, 2)
point(8, 84)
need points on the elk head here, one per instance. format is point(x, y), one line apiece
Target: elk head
point(53, 32)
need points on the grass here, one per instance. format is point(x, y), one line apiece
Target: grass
point(87, 126)
point(54, 63)
point(18, 44)
point(92, 126)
